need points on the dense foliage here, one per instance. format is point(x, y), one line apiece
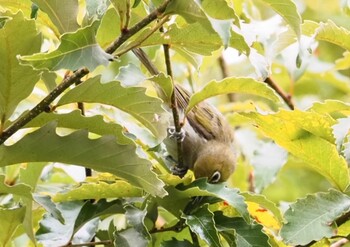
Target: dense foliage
point(75, 99)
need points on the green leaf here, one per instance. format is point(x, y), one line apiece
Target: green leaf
point(247, 235)
point(74, 120)
point(233, 85)
point(10, 220)
point(344, 62)
point(133, 100)
point(100, 208)
point(136, 219)
point(130, 75)
point(201, 188)
point(218, 9)
point(190, 11)
point(307, 136)
point(238, 42)
point(221, 17)
point(312, 218)
point(103, 154)
point(137, 235)
point(30, 177)
point(202, 223)
point(122, 7)
point(107, 31)
point(165, 86)
point(63, 13)
point(17, 82)
point(46, 202)
point(21, 190)
point(129, 238)
point(335, 108)
point(25, 6)
point(330, 32)
point(288, 10)
point(96, 9)
point(98, 190)
point(78, 49)
point(179, 38)
point(54, 233)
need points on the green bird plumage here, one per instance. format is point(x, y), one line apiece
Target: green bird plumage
point(207, 147)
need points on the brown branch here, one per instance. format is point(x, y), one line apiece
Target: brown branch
point(287, 99)
point(174, 108)
point(77, 75)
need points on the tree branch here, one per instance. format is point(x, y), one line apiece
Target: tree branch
point(44, 104)
point(77, 75)
point(280, 92)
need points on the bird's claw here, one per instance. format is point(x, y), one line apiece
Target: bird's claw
point(179, 136)
point(179, 171)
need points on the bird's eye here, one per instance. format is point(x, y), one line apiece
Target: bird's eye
point(215, 177)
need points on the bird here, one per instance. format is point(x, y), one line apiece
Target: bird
point(208, 147)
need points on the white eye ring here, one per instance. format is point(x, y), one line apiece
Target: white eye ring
point(215, 177)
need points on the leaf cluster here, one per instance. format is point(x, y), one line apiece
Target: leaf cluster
point(82, 122)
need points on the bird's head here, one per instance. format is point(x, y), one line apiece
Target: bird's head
point(216, 161)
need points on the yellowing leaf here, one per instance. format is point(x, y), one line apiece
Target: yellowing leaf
point(233, 85)
point(309, 139)
point(263, 216)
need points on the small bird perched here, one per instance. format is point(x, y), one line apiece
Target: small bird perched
point(207, 137)
point(207, 147)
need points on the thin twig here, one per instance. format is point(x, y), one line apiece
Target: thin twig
point(78, 74)
point(81, 107)
point(224, 73)
point(340, 242)
point(174, 108)
point(144, 22)
point(280, 92)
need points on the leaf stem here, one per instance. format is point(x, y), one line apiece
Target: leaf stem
point(287, 99)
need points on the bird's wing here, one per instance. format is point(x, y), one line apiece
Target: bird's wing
point(204, 118)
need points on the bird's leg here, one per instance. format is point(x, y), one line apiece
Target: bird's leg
point(178, 136)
